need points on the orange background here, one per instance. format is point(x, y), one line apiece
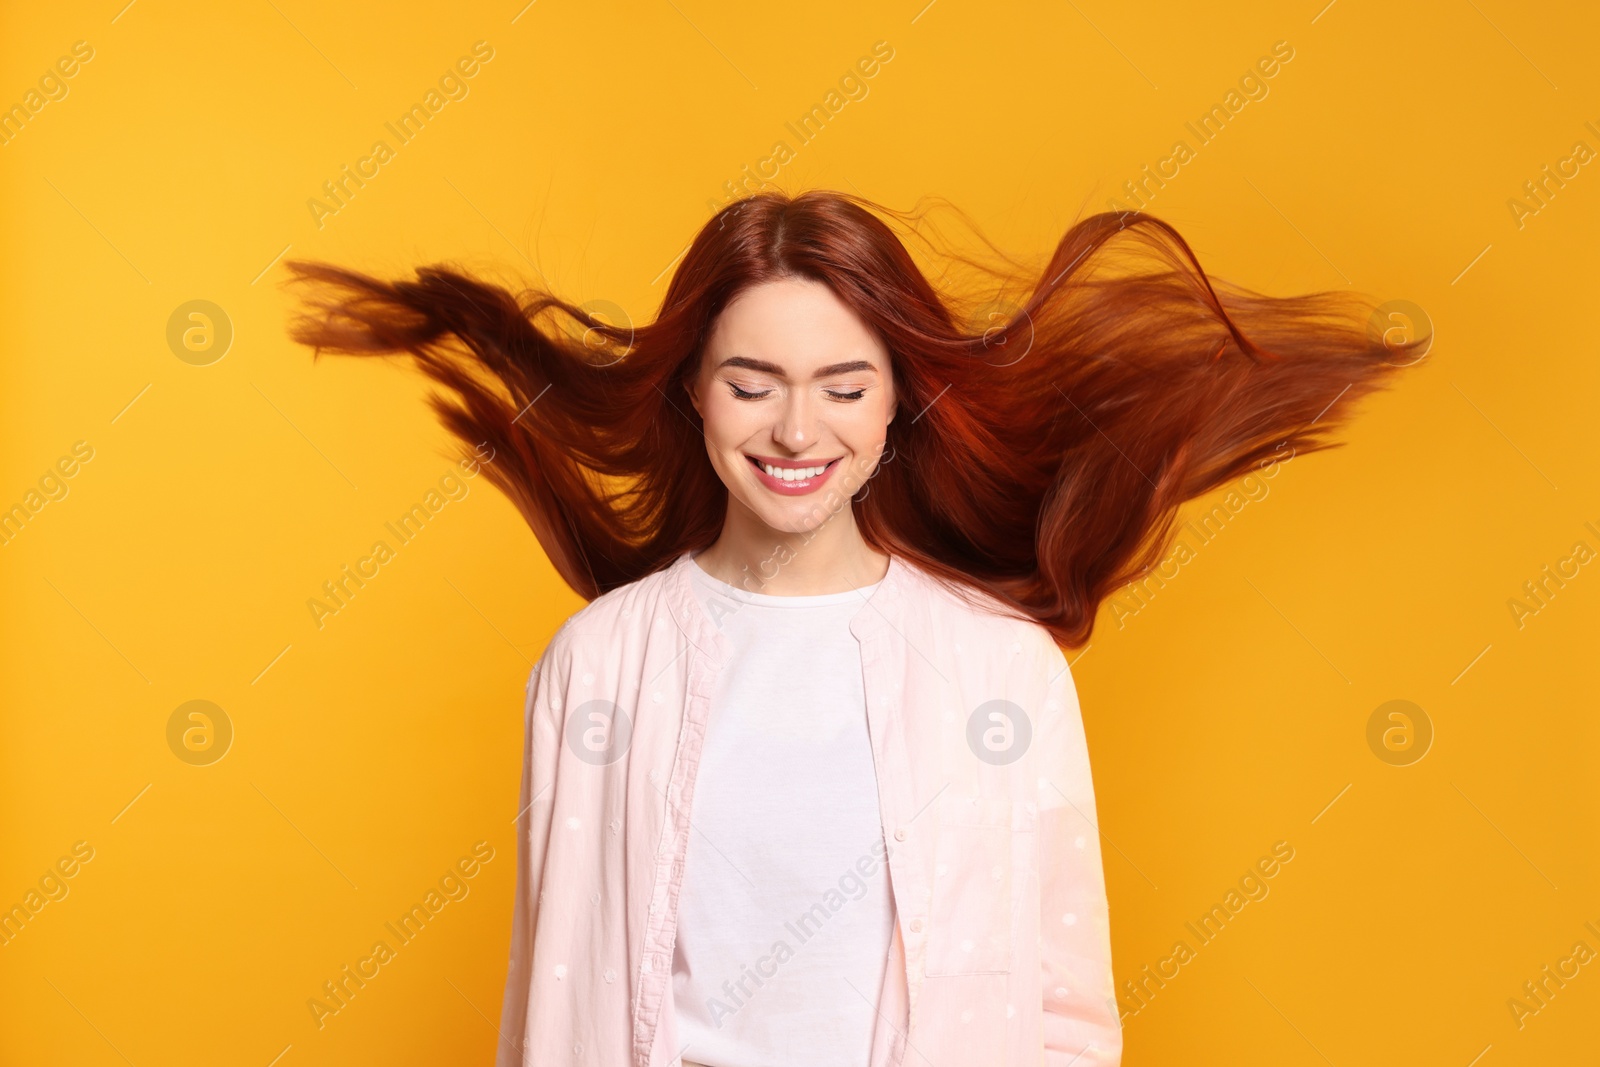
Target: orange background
point(370, 754)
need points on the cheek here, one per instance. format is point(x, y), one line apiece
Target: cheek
point(865, 427)
point(728, 424)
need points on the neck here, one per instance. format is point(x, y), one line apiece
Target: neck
point(753, 556)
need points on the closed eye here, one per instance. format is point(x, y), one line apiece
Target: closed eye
point(842, 398)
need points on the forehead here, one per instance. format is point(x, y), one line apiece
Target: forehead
point(795, 322)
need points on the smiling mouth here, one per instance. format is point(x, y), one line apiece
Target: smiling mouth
point(792, 474)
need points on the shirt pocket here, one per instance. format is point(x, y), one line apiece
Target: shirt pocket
point(980, 862)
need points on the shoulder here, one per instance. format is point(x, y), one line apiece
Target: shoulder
point(977, 616)
point(606, 620)
point(622, 608)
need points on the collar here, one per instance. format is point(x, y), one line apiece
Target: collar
point(878, 609)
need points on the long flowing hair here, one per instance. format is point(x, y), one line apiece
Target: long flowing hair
point(1041, 455)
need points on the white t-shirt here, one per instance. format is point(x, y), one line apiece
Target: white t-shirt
point(785, 916)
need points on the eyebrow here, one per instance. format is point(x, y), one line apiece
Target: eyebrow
point(772, 368)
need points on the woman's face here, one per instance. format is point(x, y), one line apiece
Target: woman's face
point(792, 381)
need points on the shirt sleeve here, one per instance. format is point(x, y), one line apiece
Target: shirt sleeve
point(542, 738)
point(1081, 1022)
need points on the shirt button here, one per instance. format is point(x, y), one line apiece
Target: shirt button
point(916, 926)
point(900, 834)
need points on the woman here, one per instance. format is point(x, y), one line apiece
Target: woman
point(807, 781)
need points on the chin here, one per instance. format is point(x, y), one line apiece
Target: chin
point(786, 522)
point(797, 518)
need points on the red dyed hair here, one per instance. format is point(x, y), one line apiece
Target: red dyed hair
point(1044, 459)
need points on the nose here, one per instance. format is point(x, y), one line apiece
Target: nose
point(797, 426)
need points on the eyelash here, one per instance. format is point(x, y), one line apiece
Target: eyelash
point(840, 397)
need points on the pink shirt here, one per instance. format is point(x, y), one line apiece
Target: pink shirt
point(1000, 952)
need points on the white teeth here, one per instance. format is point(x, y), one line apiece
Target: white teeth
point(793, 474)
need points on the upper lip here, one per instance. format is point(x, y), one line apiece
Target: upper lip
point(791, 464)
